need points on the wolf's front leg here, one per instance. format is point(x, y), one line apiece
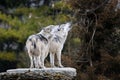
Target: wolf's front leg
point(59, 59)
point(52, 59)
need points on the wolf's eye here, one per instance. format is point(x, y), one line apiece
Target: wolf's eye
point(58, 29)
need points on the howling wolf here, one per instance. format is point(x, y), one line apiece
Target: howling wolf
point(57, 43)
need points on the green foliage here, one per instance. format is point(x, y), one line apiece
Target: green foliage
point(24, 60)
point(76, 40)
point(10, 56)
point(62, 5)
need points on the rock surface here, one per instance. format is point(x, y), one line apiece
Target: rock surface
point(39, 74)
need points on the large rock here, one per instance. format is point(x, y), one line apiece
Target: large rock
point(39, 74)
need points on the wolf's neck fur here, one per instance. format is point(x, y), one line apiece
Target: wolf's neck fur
point(61, 38)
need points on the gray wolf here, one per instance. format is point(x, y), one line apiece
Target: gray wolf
point(37, 46)
point(57, 43)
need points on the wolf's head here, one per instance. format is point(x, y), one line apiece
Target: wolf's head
point(49, 31)
point(66, 27)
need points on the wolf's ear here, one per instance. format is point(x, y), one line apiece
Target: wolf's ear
point(48, 30)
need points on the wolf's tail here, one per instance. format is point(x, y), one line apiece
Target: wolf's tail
point(30, 45)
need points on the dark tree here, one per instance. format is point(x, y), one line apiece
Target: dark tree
point(99, 29)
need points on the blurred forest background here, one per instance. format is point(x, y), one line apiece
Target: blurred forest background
point(93, 44)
